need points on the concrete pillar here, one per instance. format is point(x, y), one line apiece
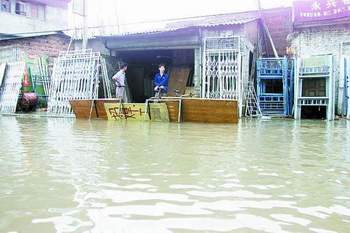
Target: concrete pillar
point(341, 82)
point(338, 88)
point(334, 74)
point(297, 93)
point(13, 6)
point(197, 71)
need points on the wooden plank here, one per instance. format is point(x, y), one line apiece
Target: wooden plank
point(101, 111)
point(173, 110)
point(193, 109)
point(209, 111)
point(82, 108)
point(178, 80)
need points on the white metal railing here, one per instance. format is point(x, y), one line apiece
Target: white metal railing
point(313, 101)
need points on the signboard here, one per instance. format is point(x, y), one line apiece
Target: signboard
point(136, 111)
point(159, 112)
point(318, 10)
point(127, 111)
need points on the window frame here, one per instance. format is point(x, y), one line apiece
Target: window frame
point(23, 12)
point(8, 5)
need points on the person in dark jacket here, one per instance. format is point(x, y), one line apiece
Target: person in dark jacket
point(161, 80)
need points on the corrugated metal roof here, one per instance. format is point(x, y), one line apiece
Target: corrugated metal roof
point(148, 28)
point(211, 21)
point(4, 35)
point(194, 22)
point(28, 35)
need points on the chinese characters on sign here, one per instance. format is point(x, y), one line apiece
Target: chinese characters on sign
point(315, 10)
point(136, 112)
point(125, 111)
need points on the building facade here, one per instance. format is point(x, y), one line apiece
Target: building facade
point(323, 40)
point(216, 58)
point(219, 51)
point(321, 32)
point(18, 17)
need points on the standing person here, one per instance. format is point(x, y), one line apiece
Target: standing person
point(161, 80)
point(119, 79)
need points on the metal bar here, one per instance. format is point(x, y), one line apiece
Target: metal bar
point(179, 111)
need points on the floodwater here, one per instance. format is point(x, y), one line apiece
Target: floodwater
point(66, 175)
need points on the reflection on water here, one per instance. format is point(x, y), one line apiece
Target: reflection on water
point(60, 175)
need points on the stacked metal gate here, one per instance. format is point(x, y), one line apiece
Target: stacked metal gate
point(41, 77)
point(275, 73)
point(11, 86)
point(315, 69)
point(11, 78)
point(76, 75)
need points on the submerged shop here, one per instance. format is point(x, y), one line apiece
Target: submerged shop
point(321, 42)
point(206, 57)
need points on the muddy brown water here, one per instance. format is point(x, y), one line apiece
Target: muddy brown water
point(66, 175)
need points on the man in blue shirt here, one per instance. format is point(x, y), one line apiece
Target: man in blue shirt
point(161, 80)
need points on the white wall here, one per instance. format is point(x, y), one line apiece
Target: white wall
point(55, 19)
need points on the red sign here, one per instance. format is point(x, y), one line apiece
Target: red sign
point(317, 10)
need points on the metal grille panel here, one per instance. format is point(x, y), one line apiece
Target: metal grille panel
point(312, 70)
point(221, 68)
point(75, 76)
point(269, 72)
point(10, 89)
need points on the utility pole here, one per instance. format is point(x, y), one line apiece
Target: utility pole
point(259, 6)
point(266, 29)
point(85, 36)
point(79, 8)
point(116, 7)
